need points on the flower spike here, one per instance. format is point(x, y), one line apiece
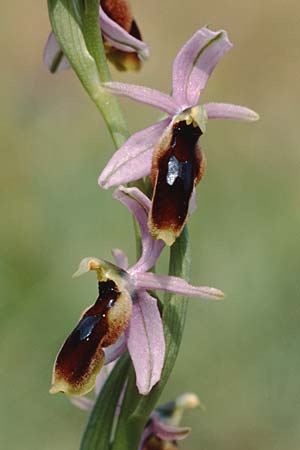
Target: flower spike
point(169, 151)
point(124, 315)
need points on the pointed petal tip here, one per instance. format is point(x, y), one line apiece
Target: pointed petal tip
point(196, 61)
point(146, 389)
point(172, 433)
point(231, 112)
point(183, 432)
point(254, 116)
point(144, 54)
point(213, 293)
point(101, 182)
point(86, 265)
point(53, 56)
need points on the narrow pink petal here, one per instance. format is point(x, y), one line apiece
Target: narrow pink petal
point(175, 285)
point(83, 403)
point(193, 202)
point(120, 39)
point(115, 350)
point(195, 62)
point(146, 434)
point(143, 94)
point(53, 56)
point(103, 375)
point(133, 160)
point(100, 381)
point(228, 111)
point(168, 432)
point(139, 204)
point(101, 378)
point(146, 342)
point(120, 258)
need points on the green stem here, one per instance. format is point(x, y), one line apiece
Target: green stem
point(96, 437)
point(76, 26)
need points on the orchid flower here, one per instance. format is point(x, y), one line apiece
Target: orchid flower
point(162, 430)
point(124, 314)
point(122, 39)
point(169, 150)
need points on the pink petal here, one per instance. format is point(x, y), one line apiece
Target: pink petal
point(139, 204)
point(101, 378)
point(168, 432)
point(115, 350)
point(133, 160)
point(53, 56)
point(175, 285)
point(143, 94)
point(100, 381)
point(120, 39)
point(120, 258)
point(83, 403)
point(228, 111)
point(103, 375)
point(146, 433)
point(146, 342)
point(195, 62)
point(193, 202)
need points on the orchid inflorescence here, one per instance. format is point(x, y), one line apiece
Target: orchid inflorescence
point(126, 315)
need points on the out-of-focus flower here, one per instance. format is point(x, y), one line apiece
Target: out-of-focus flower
point(121, 36)
point(124, 314)
point(162, 430)
point(169, 150)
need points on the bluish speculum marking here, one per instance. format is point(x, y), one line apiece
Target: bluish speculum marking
point(183, 170)
point(86, 326)
point(82, 345)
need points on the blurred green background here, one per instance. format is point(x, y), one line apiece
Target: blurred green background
point(240, 356)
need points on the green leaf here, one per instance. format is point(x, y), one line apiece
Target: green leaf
point(100, 423)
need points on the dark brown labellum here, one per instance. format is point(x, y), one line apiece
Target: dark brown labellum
point(82, 350)
point(177, 169)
